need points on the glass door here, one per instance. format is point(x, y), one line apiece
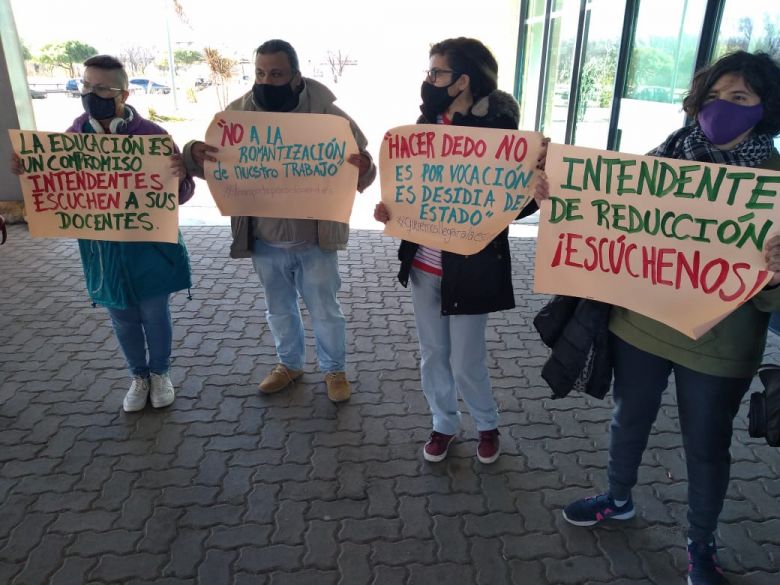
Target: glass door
point(601, 42)
point(558, 75)
point(660, 69)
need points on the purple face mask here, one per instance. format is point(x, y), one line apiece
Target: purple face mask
point(723, 121)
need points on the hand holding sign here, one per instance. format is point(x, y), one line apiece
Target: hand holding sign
point(203, 152)
point(773, 259)
point(281, 165)
point(456, 188)
point(680, 241)
point(99, 186)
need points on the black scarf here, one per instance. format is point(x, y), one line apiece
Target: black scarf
point(690, 143)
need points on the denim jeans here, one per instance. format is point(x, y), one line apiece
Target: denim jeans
point(314, 274)
point(148, 324)
point(453, 359)
point(706, 405)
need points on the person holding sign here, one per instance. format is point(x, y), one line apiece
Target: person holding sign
point(133, 280)
point(294, 257)
point(735, 103)
point(453, 293)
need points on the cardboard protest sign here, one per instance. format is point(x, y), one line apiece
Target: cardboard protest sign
point(676, 240)
point(98, 186)
point(282, 165)
point(455, 188)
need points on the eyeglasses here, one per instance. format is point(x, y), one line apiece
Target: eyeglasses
point(433, 74)
point(99, 90)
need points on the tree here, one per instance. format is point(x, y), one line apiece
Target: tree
point(178, 8)
point(771, 42)
point(597, 84)
point(337, 63)
point(649, 66)
point(187, 57)
point(26, 54)
point(740, 42)
point(221, 72)
point(136, 58)
point(66, 55)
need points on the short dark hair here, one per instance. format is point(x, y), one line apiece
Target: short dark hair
point(761, 74)
point(280, 46)
point(109, 63)
point(473, 58)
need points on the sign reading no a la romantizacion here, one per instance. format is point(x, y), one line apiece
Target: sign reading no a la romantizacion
point(98, 186)
point(679, 241)
point(455, 188)
point(282, 165)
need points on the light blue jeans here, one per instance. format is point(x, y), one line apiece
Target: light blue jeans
point(148, 324)
point(314, 274)
point(454, 356)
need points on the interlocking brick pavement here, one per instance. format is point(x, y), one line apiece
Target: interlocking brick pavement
point(232, 487)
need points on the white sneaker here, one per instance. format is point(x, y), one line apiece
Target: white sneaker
point(162, 390)
point(135, 399)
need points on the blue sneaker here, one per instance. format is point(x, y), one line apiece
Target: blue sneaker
point(593, 510)
point(703, 565)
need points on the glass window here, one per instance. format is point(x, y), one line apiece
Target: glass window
point(603, 29)
point(660, 69)
point(749, 26)
point(563, 36)
point(532, 63)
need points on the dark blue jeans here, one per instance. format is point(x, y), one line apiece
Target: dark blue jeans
point(707, 406)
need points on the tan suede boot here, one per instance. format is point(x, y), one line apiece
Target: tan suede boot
point(339, 389)
point(279, 378)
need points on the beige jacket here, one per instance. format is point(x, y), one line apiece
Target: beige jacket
point(315, 98)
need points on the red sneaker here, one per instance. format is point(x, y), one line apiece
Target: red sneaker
point(488, 448)
point(436, 447)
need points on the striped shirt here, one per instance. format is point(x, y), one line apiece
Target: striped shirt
point(429, 259)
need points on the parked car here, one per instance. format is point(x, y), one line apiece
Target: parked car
point(652, 93)
point(37, 94)
point(148, 85)
point(72, 88)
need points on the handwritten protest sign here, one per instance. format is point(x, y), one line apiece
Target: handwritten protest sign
point(282, 165)
point(98, 186)
point(455, 188)
point(676, 240)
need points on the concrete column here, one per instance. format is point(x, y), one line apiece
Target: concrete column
point(15, 110)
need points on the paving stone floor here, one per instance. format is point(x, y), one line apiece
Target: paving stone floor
point(231, 487)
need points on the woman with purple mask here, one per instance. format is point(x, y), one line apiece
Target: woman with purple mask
point(735, 104)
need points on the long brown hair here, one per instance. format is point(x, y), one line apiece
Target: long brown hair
point(761, 74)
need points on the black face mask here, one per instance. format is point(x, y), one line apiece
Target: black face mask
point(435, 99)
point(275, 98)
point(98, 107)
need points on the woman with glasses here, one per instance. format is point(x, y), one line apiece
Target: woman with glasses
point(133, 280)
point(452, 294)
point(735, 107)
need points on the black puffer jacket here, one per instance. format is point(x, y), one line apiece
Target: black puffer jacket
point(578, 333)
point(480, 283)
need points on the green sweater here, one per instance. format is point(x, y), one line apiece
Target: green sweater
point(731, 349)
